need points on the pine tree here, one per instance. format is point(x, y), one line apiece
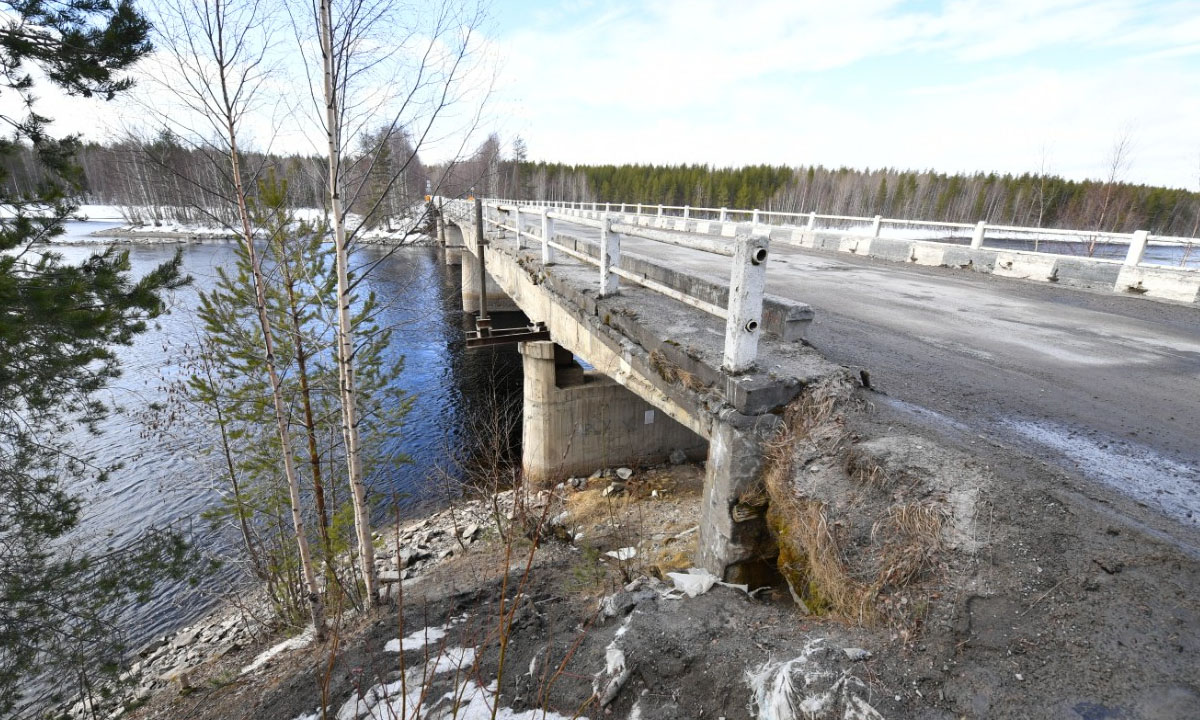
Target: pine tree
point(58, 324)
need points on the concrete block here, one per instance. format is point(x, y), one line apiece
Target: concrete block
point(965, 258)
point(891, 249)
point(1167, 283)
point(728, 229)
point(1026, 266)
point(1087, 273)
point(927, 254)
point(703, 227)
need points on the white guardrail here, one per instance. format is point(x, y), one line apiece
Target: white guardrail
point(878, 226)
point(747, 280)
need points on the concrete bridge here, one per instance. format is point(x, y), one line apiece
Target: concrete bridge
point(691, 326)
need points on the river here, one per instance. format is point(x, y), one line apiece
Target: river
point(165, 481)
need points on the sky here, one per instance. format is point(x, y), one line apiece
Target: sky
point(1001, 85)
point(955, 86)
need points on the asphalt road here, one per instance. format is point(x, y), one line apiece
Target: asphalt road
point(1097, 384)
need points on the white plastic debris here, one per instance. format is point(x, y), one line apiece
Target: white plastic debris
point(622, 554)
point(695, 582)
point(804, 689)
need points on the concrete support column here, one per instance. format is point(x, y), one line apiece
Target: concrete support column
point(454, 244)
point(1137, 248)
point(576, 421)
point(977, 236)
point(497, 301)
point(732, 550)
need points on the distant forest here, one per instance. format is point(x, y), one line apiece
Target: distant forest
point(161, 180)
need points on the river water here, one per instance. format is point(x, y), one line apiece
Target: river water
point(164, 479)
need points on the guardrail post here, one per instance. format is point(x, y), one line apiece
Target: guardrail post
point(547, 234)
point(977, 236)
point(812, 220)
point(607, 207)
point(1137, 247)
point(875, 226)
point(687, 211)
point(610, 257)
point(754, 217)
point(517, 225)
point(639, 208)
point(747, 283)
point(724, 214)
point(594, 206)
point(659, 210)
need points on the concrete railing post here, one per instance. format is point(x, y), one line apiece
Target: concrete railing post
point(547, 235)
point(754, 217)
point(610, 257)
point(660, 210)
point(723, 215)
point(743, 327)
point(607, 207)
point(977, 236)
point(517, 225)
point(639, 209)
point(594, 207)
point(812, 221)
point(687, 211)
point(876, 225)
point(1137, 248)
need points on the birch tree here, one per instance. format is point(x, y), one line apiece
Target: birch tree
point(406, 70)
point(220, 55)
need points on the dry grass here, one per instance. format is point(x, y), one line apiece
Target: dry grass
point(912, 537)
point(672, 373)
point(810, 555)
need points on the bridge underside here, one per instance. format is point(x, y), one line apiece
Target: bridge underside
point(656, 387)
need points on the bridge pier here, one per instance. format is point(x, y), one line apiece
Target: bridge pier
point(497, 301)
point(576, 421)
point(453, 244)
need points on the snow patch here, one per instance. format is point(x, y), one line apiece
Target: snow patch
point(417, 640)
point(302, 640)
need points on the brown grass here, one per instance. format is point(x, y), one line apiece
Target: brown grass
point(810, 554)
point(912, 538)
point(672, 373)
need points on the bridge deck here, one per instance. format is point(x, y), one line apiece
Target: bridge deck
point(1102, 384)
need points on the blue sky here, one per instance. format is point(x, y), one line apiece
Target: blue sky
point(952, 85)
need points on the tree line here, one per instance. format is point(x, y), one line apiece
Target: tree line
point(1029, 199)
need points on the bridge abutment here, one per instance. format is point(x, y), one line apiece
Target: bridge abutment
point(734, 543)
point(576, 421)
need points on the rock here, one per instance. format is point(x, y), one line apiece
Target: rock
point(560, 520)
point(615, 488)
point(388, 576)
point(622, 602)
point(857, 653)
point(471, 531)
point(185, 638)
point(596, 475)
point(180, 676)
point(678, 457)
point(624, 473)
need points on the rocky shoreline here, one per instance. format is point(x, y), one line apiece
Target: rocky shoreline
point(178, 658)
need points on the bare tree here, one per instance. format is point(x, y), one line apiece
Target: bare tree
point(404, 69)
point(220, 55)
